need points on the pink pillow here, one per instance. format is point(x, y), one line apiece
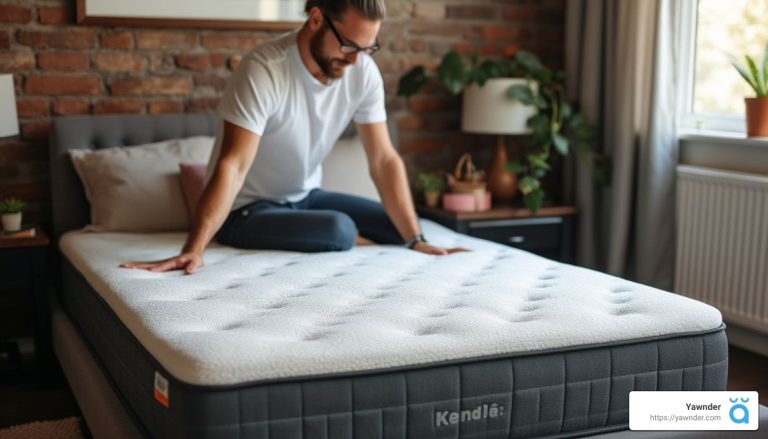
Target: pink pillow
point(192, 183)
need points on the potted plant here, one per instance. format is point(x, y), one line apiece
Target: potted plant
point(11, 209)
point(757, 107)
point(556, 123)
point(432, 185)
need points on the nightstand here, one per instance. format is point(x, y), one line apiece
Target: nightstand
point(23, 282)
point(549, 233)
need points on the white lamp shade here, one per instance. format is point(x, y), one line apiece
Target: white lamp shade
point(489, 110)
point(9, 121)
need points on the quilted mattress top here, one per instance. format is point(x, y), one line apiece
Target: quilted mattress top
point(252, 316)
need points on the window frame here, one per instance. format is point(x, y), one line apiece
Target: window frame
point(688, 121)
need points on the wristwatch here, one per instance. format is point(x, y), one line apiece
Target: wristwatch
point(416, 239)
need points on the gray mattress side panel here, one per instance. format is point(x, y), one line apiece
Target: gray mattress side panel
point(550, 395)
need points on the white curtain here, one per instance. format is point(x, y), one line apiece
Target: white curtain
point(622, 67)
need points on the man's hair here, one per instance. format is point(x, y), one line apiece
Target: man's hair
point(373, 10)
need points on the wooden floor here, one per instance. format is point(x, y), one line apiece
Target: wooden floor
point(24, 399)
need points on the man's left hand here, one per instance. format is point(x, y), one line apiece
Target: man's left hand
point(424, 247)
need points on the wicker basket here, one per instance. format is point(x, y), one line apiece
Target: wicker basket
point(466, 178)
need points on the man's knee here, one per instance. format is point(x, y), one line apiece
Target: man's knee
point(339, 230)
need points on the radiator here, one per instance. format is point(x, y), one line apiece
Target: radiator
point(722, 243)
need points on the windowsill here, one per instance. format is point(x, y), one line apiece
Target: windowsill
point(724, 150)
point(722, 137)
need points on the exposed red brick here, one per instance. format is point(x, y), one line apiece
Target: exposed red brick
point(61, 15)
point(409, 63)
point(420, 145)
point(164, 40)
point(397, 46)
point(5, 39)
point(191, 61)
point(36, 129)
point(113, 106)
point(158, 107)
point(219, 60)
point(15, 14)
point(418, 46)
point(202, 104)
point(63, 61)
point(410, 123)
point(117, 40)
point(429, 10)
point(484, 12)
point(64, 107)
point(242, 41)
point(59, 39)
point(165, 86)
point(218, 83)
point(118, 62)
point(64, 85)
point(428, 104)
point(434, 28)
point(32, 107)
point(17, 60)
point(161, 63)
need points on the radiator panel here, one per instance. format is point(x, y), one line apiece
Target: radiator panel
point(722, 243)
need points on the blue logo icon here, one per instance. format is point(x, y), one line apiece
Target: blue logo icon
point(739, 409)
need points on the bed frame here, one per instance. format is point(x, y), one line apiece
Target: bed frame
point(102, 406)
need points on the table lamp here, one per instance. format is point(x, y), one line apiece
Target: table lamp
point(9, 121)
point(489, 110)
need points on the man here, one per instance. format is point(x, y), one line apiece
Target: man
point(290, 99)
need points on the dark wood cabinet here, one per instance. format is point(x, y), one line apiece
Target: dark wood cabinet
point(549, 233)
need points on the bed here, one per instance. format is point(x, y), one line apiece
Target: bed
point(377, 342)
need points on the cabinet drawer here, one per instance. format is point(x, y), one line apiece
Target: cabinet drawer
point(529, 234)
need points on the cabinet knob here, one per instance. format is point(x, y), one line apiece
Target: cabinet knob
point(517, 239)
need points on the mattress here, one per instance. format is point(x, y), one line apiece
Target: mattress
point(380, 341)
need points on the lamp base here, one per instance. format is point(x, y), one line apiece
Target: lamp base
point(502, 183)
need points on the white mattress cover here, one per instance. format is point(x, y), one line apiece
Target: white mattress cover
point(259, 315)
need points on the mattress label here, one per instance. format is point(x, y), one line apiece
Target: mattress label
point(693, 410)
point(161, 389)
point(482, 411)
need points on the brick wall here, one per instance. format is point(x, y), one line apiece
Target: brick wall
point(61, 68)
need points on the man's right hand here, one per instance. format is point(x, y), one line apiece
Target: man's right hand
point(188, 262)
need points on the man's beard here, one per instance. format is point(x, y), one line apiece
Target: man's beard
point(332, 68)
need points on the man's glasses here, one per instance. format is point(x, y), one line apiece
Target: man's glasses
point(350, 48)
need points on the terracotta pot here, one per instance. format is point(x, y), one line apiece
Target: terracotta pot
point(432, 198)
point(11, 222)
point(757, 116)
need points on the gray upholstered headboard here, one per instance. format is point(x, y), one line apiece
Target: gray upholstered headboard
point(70, 208)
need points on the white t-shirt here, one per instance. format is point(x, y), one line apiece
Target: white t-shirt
point(299, 118)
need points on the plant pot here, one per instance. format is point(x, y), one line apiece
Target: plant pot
point(432, 198)
point(12, 222)
point(757, 116)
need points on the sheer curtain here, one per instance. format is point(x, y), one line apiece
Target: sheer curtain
point(622, 66)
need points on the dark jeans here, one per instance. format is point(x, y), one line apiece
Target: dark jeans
point(323, 221)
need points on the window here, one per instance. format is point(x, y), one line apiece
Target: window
point(715, 97)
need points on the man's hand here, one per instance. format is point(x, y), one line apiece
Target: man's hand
point(423, 247)
point(188, 262)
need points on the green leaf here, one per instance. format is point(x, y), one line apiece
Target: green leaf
point(742, 71)
point(539, 161)
point(566, 110)
point(451, 72)
point(412, 81)
point(488, 69)
point(760, 88)
point(529, 61)
point(528, 184)
point(516, 167)
point(521, 93)
point(533, 200)
point(765, 67)
point(561, 143)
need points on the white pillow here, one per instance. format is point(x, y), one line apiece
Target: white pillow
point(346, 170)
point(137, 188)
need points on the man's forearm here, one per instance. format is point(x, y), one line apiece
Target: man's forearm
point(391, 181)
point(212, 209)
